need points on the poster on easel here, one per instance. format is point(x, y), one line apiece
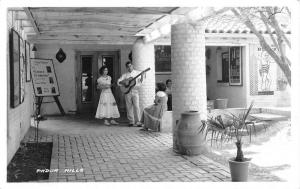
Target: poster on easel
point(43, 77)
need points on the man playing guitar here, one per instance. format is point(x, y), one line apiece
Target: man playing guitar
point(132, 97)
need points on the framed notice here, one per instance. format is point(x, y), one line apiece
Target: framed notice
point(43, 77)
point(22, 70)
point(27, 61)
point(235, 66)
point(162, 58)
point(15, 91)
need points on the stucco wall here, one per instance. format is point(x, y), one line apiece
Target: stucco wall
point(162, 77)
point(279, 99)
point(66, 71)
point(18, 118)
point(236, 95)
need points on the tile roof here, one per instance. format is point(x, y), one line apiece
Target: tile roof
point(225, 23)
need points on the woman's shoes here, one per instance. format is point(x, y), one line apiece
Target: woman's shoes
point(114, 122)
point(106, 122)
point(144, 129)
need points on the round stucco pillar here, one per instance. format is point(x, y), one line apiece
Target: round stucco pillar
point(143, 58)
point(188, 70)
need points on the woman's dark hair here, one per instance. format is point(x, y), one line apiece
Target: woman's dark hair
point(168, 80)
point(101, 70)
point(161, 86)
point(130, 56)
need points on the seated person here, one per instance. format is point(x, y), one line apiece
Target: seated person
point(169, 93)
point(151, 117)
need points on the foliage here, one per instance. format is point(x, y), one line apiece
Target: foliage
point(233, 126)
point(275, 20)
point(30, 157)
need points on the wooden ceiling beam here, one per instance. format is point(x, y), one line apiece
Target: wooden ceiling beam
point(85, 31)
point(107, 10)
point(79, 37)
point(83, 23)
point(32, 20)
point(15, 9)
point(21, 15)
point(85, 42)
point(88, 25)
point(95, 17)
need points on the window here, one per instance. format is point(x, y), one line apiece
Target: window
point(162, 58)
point(235, 66)
point(229, 65)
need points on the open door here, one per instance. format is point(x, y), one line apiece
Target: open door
point(88, 67)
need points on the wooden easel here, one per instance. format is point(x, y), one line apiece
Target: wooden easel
point(40, 101)
point(44, 84)
point(37, 114)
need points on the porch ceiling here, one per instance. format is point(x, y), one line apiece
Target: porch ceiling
point(111, 25)
point(123, 25)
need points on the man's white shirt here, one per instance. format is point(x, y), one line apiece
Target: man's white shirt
point(132, 74)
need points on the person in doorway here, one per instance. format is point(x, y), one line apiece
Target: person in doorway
point(88, 83)
point(151, 117)
point(169, 93)
point(132, 98)
point(107, 106)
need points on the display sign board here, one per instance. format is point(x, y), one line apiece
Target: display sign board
point(43, 77)
point(266, 72)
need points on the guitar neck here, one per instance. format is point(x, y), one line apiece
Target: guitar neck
point(141, 73)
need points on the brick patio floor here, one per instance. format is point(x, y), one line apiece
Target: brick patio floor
point(119, 154)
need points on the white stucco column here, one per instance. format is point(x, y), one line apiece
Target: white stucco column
point(143, 58)
point(188, 69)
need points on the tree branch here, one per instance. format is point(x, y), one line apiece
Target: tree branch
point(288, 11)
point(266, 22)
point(275, 25)
point(284, 67)
point(278, 43)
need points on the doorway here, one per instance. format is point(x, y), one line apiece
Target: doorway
point(88, 65)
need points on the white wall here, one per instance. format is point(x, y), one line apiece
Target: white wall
point(236, 95)
point(18, 118)
point(279, 99)
point(162, 77)
point(66, 71)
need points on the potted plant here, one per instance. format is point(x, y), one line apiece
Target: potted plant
point(281, 84)
point(232, 127)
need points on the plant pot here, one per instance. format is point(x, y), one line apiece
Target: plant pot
point(187, 138)
point(221, 103)
point(210, 104)
point(281, 86)
point(239, 170)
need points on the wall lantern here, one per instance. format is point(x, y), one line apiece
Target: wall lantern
point(34, 48)
point(60, 55)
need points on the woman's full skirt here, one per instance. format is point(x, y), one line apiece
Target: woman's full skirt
point(107, 106)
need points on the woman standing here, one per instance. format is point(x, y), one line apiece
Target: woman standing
point(151, 117)
point(107, 106)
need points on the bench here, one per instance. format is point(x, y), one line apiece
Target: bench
point(166, 122)
point(262, 120)
point(268, 117)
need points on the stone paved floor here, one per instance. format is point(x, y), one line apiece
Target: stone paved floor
point(119, 154)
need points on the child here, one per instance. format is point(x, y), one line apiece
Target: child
point(107, 106)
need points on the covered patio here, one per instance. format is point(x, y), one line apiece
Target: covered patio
point(84, 150)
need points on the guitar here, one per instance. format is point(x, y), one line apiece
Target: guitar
point(129, 83)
